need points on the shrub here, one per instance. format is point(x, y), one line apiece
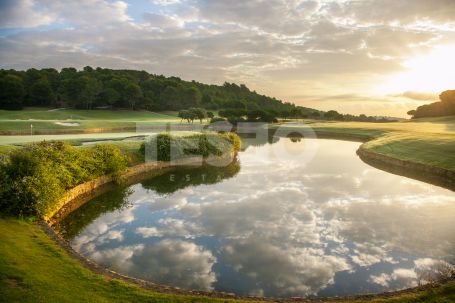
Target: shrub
point(35, 178)
point(217, 119)
point(165, 147)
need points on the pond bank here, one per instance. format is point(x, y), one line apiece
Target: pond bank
point(77, 196)
point(405, 295)
point(420, 171)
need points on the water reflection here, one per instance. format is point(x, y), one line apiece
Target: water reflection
point(279, 227)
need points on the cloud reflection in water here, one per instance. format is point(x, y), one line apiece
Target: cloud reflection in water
point(280, 227)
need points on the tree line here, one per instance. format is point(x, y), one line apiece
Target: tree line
point(91, 88)
point(444, 107)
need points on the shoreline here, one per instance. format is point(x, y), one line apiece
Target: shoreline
point(422, 172)
point(166, 289)
point(82, 193)
point(418, 171)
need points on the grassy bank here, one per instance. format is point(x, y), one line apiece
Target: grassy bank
point(34, 269)
point(49, 121)
point(426, 141)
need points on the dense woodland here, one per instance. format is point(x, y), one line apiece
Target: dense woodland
point(444, 107)
point(91, 88)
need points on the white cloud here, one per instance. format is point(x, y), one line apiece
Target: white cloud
point(165, 2)
point(282, 271)
point(178, 263)
point(23, 13)
point(288, 49)
point(162, 21)
point(400, 277)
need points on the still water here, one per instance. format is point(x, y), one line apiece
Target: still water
point(271, 225)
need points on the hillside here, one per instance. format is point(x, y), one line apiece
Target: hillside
point(107, 88)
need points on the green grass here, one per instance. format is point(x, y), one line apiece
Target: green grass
point(76, 114)
point(428, 141)
point(34, 269)
point(45, 121)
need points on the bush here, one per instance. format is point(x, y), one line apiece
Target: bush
point(217, 119)
point(165, 147)
point(36, 177)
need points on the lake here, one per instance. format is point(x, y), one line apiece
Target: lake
point(300, 217)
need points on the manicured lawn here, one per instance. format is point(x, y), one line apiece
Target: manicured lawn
point(34, 269)
point(47, 120)
point(76, 114)
point(429, 141)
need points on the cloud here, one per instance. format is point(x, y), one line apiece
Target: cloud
point(282, 48)
point(405, 12)
point(420, 96)
point(162, 21)
point(177, 263)
point(165, 2)
point(330, 221)
point(282, 271)
point(23, 13)
point(88, 13)
point(401, 277)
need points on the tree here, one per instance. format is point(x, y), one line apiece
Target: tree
point(210, 115)
point(411, 112)
point(183, 114)
point(192, 97)
point(109, 95)
point(132, 93)
point(333, 115)
point(90, 92)
point(168, 99)
point(285, 114)
point(71, 90)
point(41, 92)
point(137, 90)
point(188, 115)
point(12, 92)
point(446, 106)
point(199, 113)
point(447, 96)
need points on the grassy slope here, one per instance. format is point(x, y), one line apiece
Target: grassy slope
point(34, 269)
point(430, 141)
point(44, 119)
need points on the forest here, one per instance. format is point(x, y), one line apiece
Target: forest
point(444, 107)
point(91, 88)
point(102, 88)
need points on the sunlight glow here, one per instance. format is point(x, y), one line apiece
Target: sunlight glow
point(430, 73)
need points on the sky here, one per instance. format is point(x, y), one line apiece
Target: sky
point(381, 57)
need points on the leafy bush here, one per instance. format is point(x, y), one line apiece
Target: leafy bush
point(217, 119)
point(35, 178)
point(165, 147)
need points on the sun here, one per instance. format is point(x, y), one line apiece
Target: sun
point(430, 73)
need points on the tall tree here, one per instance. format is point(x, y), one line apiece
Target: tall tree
point(12, 92)
point(41, 92)
point(90, 92)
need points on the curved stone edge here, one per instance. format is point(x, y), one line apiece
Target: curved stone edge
point(86, 190)
point(110, 274)
point(419, 171)
point(423, 172)
point(81, 193)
